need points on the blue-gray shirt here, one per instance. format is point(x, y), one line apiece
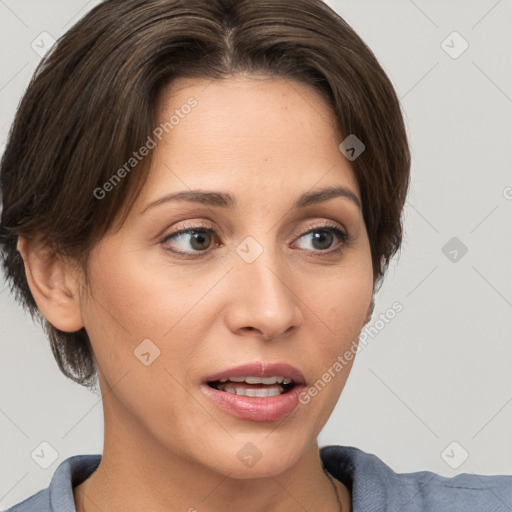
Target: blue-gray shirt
point(374, 486)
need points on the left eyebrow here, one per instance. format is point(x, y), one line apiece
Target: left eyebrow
point(324, 194)
point(226, 200)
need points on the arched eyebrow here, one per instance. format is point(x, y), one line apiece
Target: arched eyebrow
point(324, 194)
point(227, 200)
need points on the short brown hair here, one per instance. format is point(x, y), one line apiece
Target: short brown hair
point(91, 102)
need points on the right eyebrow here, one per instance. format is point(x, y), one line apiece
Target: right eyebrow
point(222, 199)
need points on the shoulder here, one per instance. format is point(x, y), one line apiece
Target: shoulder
point(375, 486)
point(58, 496)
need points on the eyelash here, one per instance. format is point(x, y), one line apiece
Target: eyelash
point(203, 228)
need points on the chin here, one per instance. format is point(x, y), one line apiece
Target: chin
point(258, 455)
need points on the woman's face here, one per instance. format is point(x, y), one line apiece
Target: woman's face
point(258, 280)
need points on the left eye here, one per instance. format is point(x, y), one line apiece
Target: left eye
point(322, 238)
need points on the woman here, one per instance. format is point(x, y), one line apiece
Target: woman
point(201, 198)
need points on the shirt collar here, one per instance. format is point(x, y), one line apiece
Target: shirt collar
point(71, 472)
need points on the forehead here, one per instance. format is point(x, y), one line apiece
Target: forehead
point(247, 132)
point(249, 101)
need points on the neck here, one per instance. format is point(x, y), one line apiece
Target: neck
point(132, 477)
point(137, 471)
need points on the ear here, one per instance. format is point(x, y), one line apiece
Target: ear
point(53, 285)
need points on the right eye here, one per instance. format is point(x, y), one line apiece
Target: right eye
point(195, 239)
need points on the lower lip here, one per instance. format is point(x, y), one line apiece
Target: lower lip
point(269, 408)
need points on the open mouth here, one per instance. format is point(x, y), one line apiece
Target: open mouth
point(256, 391)
point(259, 387)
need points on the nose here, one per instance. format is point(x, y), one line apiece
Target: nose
point(263, 298)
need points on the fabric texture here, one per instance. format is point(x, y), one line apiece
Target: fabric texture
point(374, 486)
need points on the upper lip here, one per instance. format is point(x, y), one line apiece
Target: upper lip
point(259, 369)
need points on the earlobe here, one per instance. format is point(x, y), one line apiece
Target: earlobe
point(52, 284)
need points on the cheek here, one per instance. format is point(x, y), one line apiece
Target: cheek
point(131, 304)
point(133, 301)
point(346, 298)
point(341, 307)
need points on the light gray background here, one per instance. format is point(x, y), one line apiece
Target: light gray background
point(440, 371)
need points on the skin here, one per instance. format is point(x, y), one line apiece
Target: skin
point(167, 446)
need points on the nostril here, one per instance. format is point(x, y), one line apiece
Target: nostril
point(265, 337)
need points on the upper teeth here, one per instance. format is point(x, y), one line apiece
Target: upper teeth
point(259, 380)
